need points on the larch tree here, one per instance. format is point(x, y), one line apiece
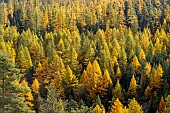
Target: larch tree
point(134, 107)
point(74, 64)
point(162, 105)
point(45, 20)
point(36, 52)
point(27, 95)
point(142, 55)
point(167, 103)
point(132, 17)
point(118, 74)
point(99, 109)
point(117, 91)
point(136, 63)
point(122, 58)
point(23, 59)
point(148, 91)
point(117, 107)
point(132, 87)
point(70, 79)
point(35, 91)
point(3, 13)
point(10, 8)
point(96, 77)
point(35, 86)
point(156, 78)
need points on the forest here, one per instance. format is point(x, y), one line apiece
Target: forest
point(84, 56)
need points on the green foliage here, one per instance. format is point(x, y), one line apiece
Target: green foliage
point(10, 87)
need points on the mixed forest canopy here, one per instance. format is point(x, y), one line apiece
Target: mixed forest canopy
point(84, 56)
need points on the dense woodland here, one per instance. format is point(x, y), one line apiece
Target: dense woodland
point(84, 56)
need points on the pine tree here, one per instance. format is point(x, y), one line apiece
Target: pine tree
point(10, 88)
point(53, 103)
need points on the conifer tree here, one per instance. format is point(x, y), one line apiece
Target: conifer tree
point(35, 90)
point(156, 78)
point(132, 17)
point(27, 95)
point(117, 107)
point(161, 105)
point(98, 109)
point(10, 88)
point(53, 103)
point(45, 20)
point(142, 55)
point(117, 91)
point(134, 107)
point(135, 63)
point(70, 79)
point(132, 87)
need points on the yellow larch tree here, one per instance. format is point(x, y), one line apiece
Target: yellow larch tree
point(117, 107)
point(38, 73)
point(134, 107)
point(161, 105)
point(70, 79)
point(147, 69)
point(142, 55)
point(114, 61)
point(136, 63)
point(45, 20)
point(94, 82)
point(159, 71)
point(85, 78)
point(35, 86)
point(117, 91)
point(156, 78)
point(96, 79)
point(118, 73)
point(99, 109)
point(57, 81)
point(107, 81)
point(132, 87)
point(148, 91)
point(28, 95)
